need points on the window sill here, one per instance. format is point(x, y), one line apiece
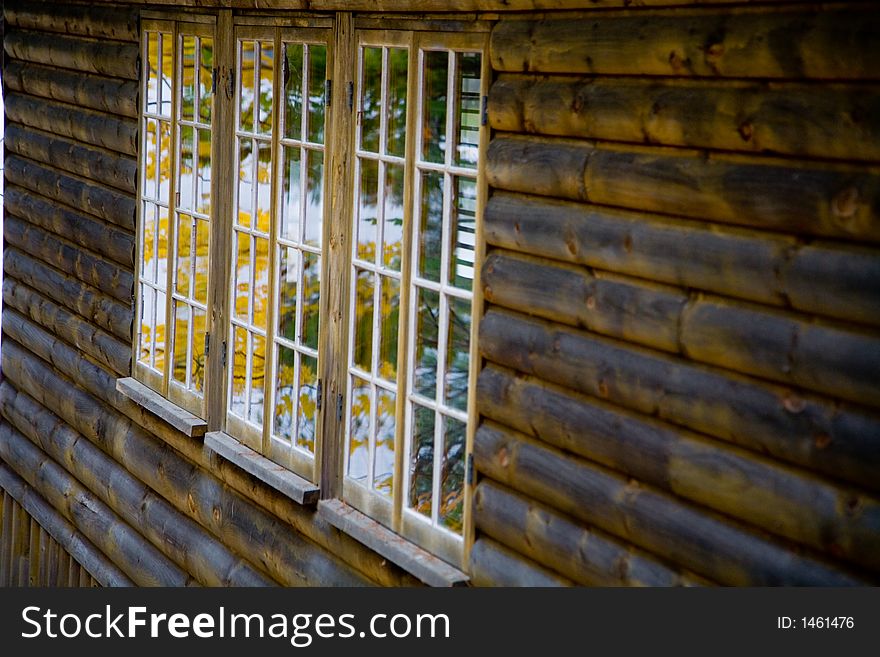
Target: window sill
point(179, 418)
point(424, 565)
point(270, 473)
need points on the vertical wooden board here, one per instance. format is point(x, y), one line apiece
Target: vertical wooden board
point(5, 538)
point(37, 540)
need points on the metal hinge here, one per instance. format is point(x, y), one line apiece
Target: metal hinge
point(470, 469)
point(350, 96)
point(223, 355)
point(339, 407)
point(320, 394)
point(207, 344)
point(484, 120)
point(214, 73)
point(230, 83)
point(328, 92)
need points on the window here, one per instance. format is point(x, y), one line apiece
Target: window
point(402, 288)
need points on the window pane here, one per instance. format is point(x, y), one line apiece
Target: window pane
point(434, 100)
point(151, 168)
point(363, 314)
point(288, 280)
point(293, 93)
point(467, 123)
point(187, 85)
point(238, 396)
point(164, 160)
point(389, 320)
point(187, 163)
point(257, 379)
point(431, 226)
point(152, 72)
point(308, 403)
point(427, 325)
point(458, 353)
point(148, 243)
point(202, 247)
point(206, 78)
point(398, 62)
point(290, 195)
point(181, 340)
point(383, 468)
point(452, 475)
point(245, 181)
point(165, 87)
point(367, 214)
point(285, 393)
point(246, 85)
point(317, 75)
point(421, 468)
point(145, 337)
point(184, 246)
point(393, 218)
point(203, 181)
point(242, 275)
point(359, 430)
point(162, 247)
point(315, 198)
point(267, 71)
point(311, 295)
point(264, 185)
point(159, 332)
point(198, 365)
point(371, 98)
point(261, 283)
point(463, 233)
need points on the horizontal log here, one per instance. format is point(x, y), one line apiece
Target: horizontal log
point(834, 44)
point(110, 95)
point(86, 337)
point(839, 520)
point(142, 562)
point(821, 121)
point(80, 548)
point(492, 564)
point(102, 22)
point(828, 437)
point(70, 258)
point(286, 556)
point(786, 348)
point(111, 58)
point(98, 308)
point(429, 5)
point(803, 199)
point(698, 540)
point(836, 280)
point(175, 535)
point(88, 126)
point(100, 201)
point(94, 234)
point(587, 556)
point(94, 163)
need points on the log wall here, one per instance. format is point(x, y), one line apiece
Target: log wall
point(681, 339)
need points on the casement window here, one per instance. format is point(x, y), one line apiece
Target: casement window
point(384, 249)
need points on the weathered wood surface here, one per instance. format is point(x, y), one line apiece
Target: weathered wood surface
point(188, 424)
point(175, 535)
point(87, 267)
point(806, 199)
point(434, 5)
point(587, 556)
point(85, 336)
point(120, 23)
point(88, 126)
point(96, 199)
point(98, 236)
point(97, 164)
point(703, 542)
point(797, 120)
point(790, 349)
point(90, 303)
point(110, 95)
point(137, 558)
point(492, 564)
point(100, 56)
point(818, 434)
point(833, 279)
point(828, 45)
point(836, 519)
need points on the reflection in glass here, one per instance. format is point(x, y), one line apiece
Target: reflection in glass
point(159, 332)
point(421, 467)
point(203, 181)
point(167, 72)
point(311, 292)
point(188, 87)
point(371, 98)
point(363, 328)
point(187, 162)
point(258, 373)
point(288, 279)
point(181, 339)
point(148, 301)
point(152, 72)
point(184, 249)
point(367, 213)
point(467, 118)
point(293, 93)
point(389, 320)
point(285, 393)
point(206, 78)
point(431, 225)
point(164, 159)
point(435, 95)
point(246, 85)
point(267, 67)
point(463, 233)
point(151, 168)
point(427, 325)
point(264, 185)
point(201, 264)
point(238, 395)
point(359, 430)
point(393, 217)
point(308, 403)
point(162, 247)
point(317, 75)
point(260, 288)
point(383, 468)
point(148, 246)
point(197, 367)
point(245, 181)
point(395, 128)
point(452, 474)
point(242, 274)
point(315, 197)
point(458, 353)
point(290, 194)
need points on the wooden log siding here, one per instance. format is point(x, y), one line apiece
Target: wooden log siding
point(493, 564)
point(100, 56)
point(118, 23)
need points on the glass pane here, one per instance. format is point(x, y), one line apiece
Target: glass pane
point(463, 233)
point(258, 372)
point(398, 61)
point(427, 324)
point(293, 91)
point(393, 217)
point(261, 282)
point(181, 340)
point(285, 393)
point(162, 247)
point(184, 250)
point(421, 467)
point(188, 83)
point(245, 181)
point(242, 274)
point(389, 320)
point(383, 468)
point(317, 75)
point(434, 99)
point(288, 278)
point(363, 314)
point(458, 353)
point(199, 364)
point(151, 167)
point(267, 72)
point(206, 79)
point(148, 243)
point(152, 72)
point(167, 72)
point(164, 160)
point(431, 226)
point(359, 430)
point(290, 195)
point(203, 181)
point(467, 124)
point(159, 332)
point(310, 298)
point(246, 86)
point(371, 98)
point(239, 371)
point(145, 337)
point(315, 196)
point(202, 246)
point(308, 403)
point(367, 214)
point(187, 163)
point(264, 185)
point(452, 475)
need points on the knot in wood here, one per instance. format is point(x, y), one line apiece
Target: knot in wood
point(846, 203)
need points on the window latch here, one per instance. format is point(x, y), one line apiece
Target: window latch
point(320, 394)
point(484, 119)
point(328, 92)
point(214, 73)
point(207, 344)
point(350, 96)
point(470, 470)
point(223, 355)
point(339, 407)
